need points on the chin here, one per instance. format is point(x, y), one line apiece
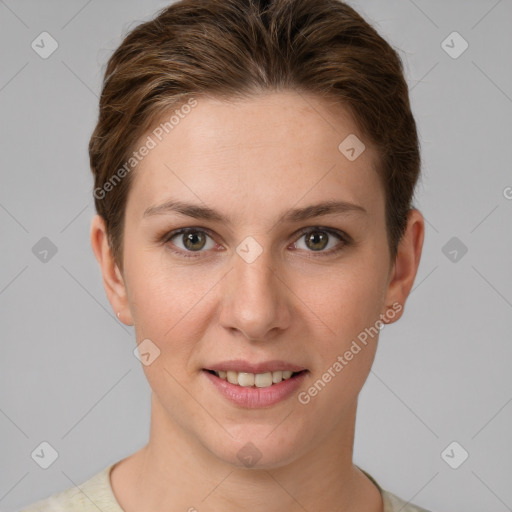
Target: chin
point(258, 447)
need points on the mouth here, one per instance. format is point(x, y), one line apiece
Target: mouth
point(255, 385)
point(255, 380)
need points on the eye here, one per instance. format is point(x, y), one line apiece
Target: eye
point(317, 239)
point(194, 240)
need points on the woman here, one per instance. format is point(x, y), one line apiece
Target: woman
point(254, 167)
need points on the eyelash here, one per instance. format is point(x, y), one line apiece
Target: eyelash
point(343, 237)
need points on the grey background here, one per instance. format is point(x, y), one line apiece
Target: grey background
point(442, 373)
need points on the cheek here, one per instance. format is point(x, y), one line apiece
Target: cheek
point(170, 304)
point(347, 308)
point(159, 293)
point(350, 307)
point(345, 300)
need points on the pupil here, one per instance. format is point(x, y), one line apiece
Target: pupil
point(191, 240)
point(316, 238)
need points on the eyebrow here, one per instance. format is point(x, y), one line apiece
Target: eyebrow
point(293, 215)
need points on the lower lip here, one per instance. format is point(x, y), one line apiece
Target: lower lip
point(252, 397)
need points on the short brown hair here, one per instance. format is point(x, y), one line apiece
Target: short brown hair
point(239, 48)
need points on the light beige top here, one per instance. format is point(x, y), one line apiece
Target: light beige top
point(96, 494)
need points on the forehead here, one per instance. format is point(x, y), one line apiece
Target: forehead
point(257, 156)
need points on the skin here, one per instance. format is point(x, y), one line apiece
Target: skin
point(253, 160)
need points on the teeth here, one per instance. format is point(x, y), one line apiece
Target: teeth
point(277, 376)
point(260, 380)
point(246, 379)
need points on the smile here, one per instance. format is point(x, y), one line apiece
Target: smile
point(258, 380)
point(255, 390)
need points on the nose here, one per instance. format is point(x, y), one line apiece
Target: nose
point(256, 300)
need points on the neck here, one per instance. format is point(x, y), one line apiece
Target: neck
point(176, 472)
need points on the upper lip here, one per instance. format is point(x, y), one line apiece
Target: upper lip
point(240, 365)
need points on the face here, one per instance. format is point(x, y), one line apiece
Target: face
point(260, 288)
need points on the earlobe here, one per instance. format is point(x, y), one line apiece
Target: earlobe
point(113, 281)
point(406, 265)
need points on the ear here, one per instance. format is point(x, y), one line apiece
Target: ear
point(405, 267)
point(113, 281)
